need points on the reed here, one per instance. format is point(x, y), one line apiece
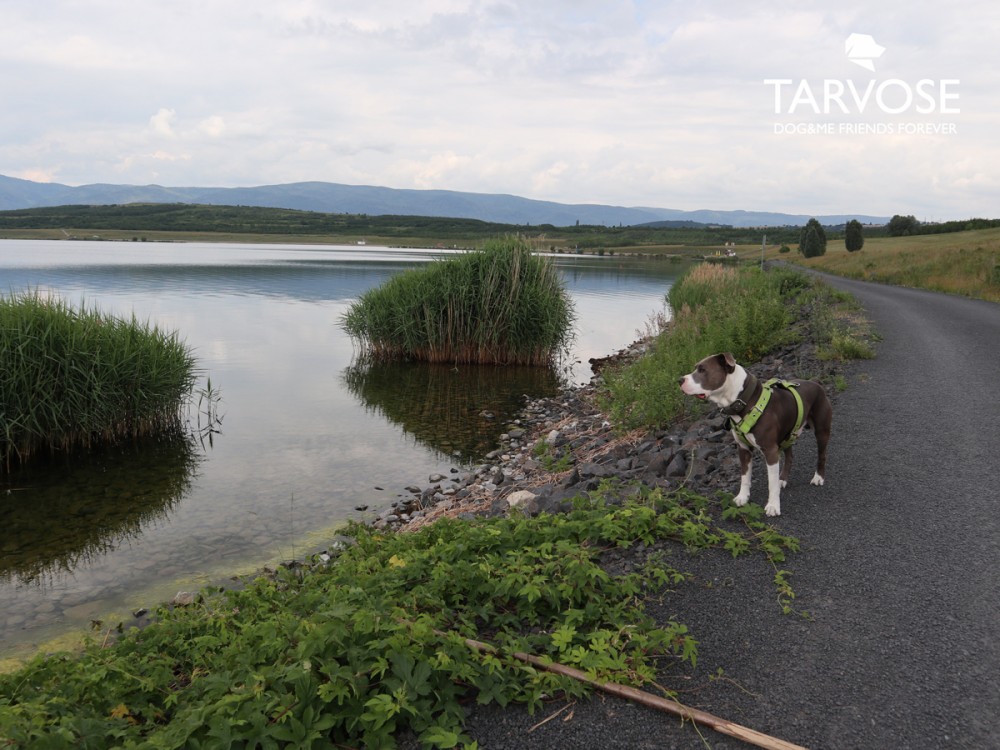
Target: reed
point(75, 378)
point(497, 305)
point(715, 309)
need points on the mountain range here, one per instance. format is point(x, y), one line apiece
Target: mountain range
point(331, 197)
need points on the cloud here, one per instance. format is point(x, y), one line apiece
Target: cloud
point(162, 122)
point(619, 101)
point(214, 126)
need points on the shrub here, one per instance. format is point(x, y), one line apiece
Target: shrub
point(75, 378)
point(716, 309)
point(498, 305)
point(854, 238)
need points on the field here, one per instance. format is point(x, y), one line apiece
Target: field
point(964, 263)
point(181, 222)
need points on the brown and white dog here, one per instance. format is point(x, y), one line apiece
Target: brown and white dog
point(723, 382)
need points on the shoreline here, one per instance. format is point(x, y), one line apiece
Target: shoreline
point(560, 447)
point(555, 449)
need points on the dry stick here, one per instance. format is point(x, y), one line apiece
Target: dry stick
point(653, 701)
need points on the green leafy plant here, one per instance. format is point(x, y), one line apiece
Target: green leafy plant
point(552, 459)
point(352, 652)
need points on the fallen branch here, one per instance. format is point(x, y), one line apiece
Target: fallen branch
point(653, 701)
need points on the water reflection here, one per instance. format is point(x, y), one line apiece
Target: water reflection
point(456, 411)
point(309, 433)
point(89, 504)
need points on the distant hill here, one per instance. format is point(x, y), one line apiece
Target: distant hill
point(330, 197)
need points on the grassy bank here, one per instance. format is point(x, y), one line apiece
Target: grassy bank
point(498, 305)
point(721, 308)
point(71, 378)
point(964, 263)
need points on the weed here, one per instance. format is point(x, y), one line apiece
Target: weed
point(348, 653)
point(552, 459)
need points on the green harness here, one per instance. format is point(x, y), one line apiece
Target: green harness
point(742, 428)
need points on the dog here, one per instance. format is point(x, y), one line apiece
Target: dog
point(769, 423)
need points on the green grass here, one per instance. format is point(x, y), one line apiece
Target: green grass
point(498, 305)
point(716, 308)
point(349, 654)
point(73, 378)
point(965, 263)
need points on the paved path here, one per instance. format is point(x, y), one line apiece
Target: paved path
point(900, 569)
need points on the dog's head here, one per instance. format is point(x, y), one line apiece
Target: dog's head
point(710, 376)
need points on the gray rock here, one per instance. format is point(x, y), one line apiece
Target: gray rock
point(183, 599)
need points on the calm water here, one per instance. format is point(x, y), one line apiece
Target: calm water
point(307, 436)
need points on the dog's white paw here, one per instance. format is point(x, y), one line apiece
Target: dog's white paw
point(784, 484)
point(741, 500)
point(772, 509)
point(817, 480)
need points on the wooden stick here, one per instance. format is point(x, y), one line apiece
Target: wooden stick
point(653, 701)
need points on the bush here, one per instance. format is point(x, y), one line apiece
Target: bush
point(812, 241)
point(498, 305)
point(75, 378)
point(716, 309)
point(854, 238)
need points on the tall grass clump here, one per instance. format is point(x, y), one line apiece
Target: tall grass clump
point(74, 378)
point(716, 308)
point(497, 305)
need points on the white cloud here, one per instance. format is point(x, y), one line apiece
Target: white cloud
point(617, 101)
point(162, 122)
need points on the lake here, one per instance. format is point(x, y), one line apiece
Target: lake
point(307, 435)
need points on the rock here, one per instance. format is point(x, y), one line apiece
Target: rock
point(524, 501)
point(183, 599)
point(435, 478)
point(596, 470)
point(521, 496)
point(678, 465)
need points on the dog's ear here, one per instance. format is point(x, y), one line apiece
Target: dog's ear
point(727, 361)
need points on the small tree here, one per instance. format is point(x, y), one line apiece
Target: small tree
point(811, 245)
point(812, 241)
point(853, 238)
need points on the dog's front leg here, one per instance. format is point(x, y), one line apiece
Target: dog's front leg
point(786, 467)
point(746, 467)
point(773, 507)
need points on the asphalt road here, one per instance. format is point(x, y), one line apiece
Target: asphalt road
point(898, 573)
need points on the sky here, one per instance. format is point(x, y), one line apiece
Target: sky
point(797, 107)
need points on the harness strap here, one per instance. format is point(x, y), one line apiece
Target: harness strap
point(742, 428)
